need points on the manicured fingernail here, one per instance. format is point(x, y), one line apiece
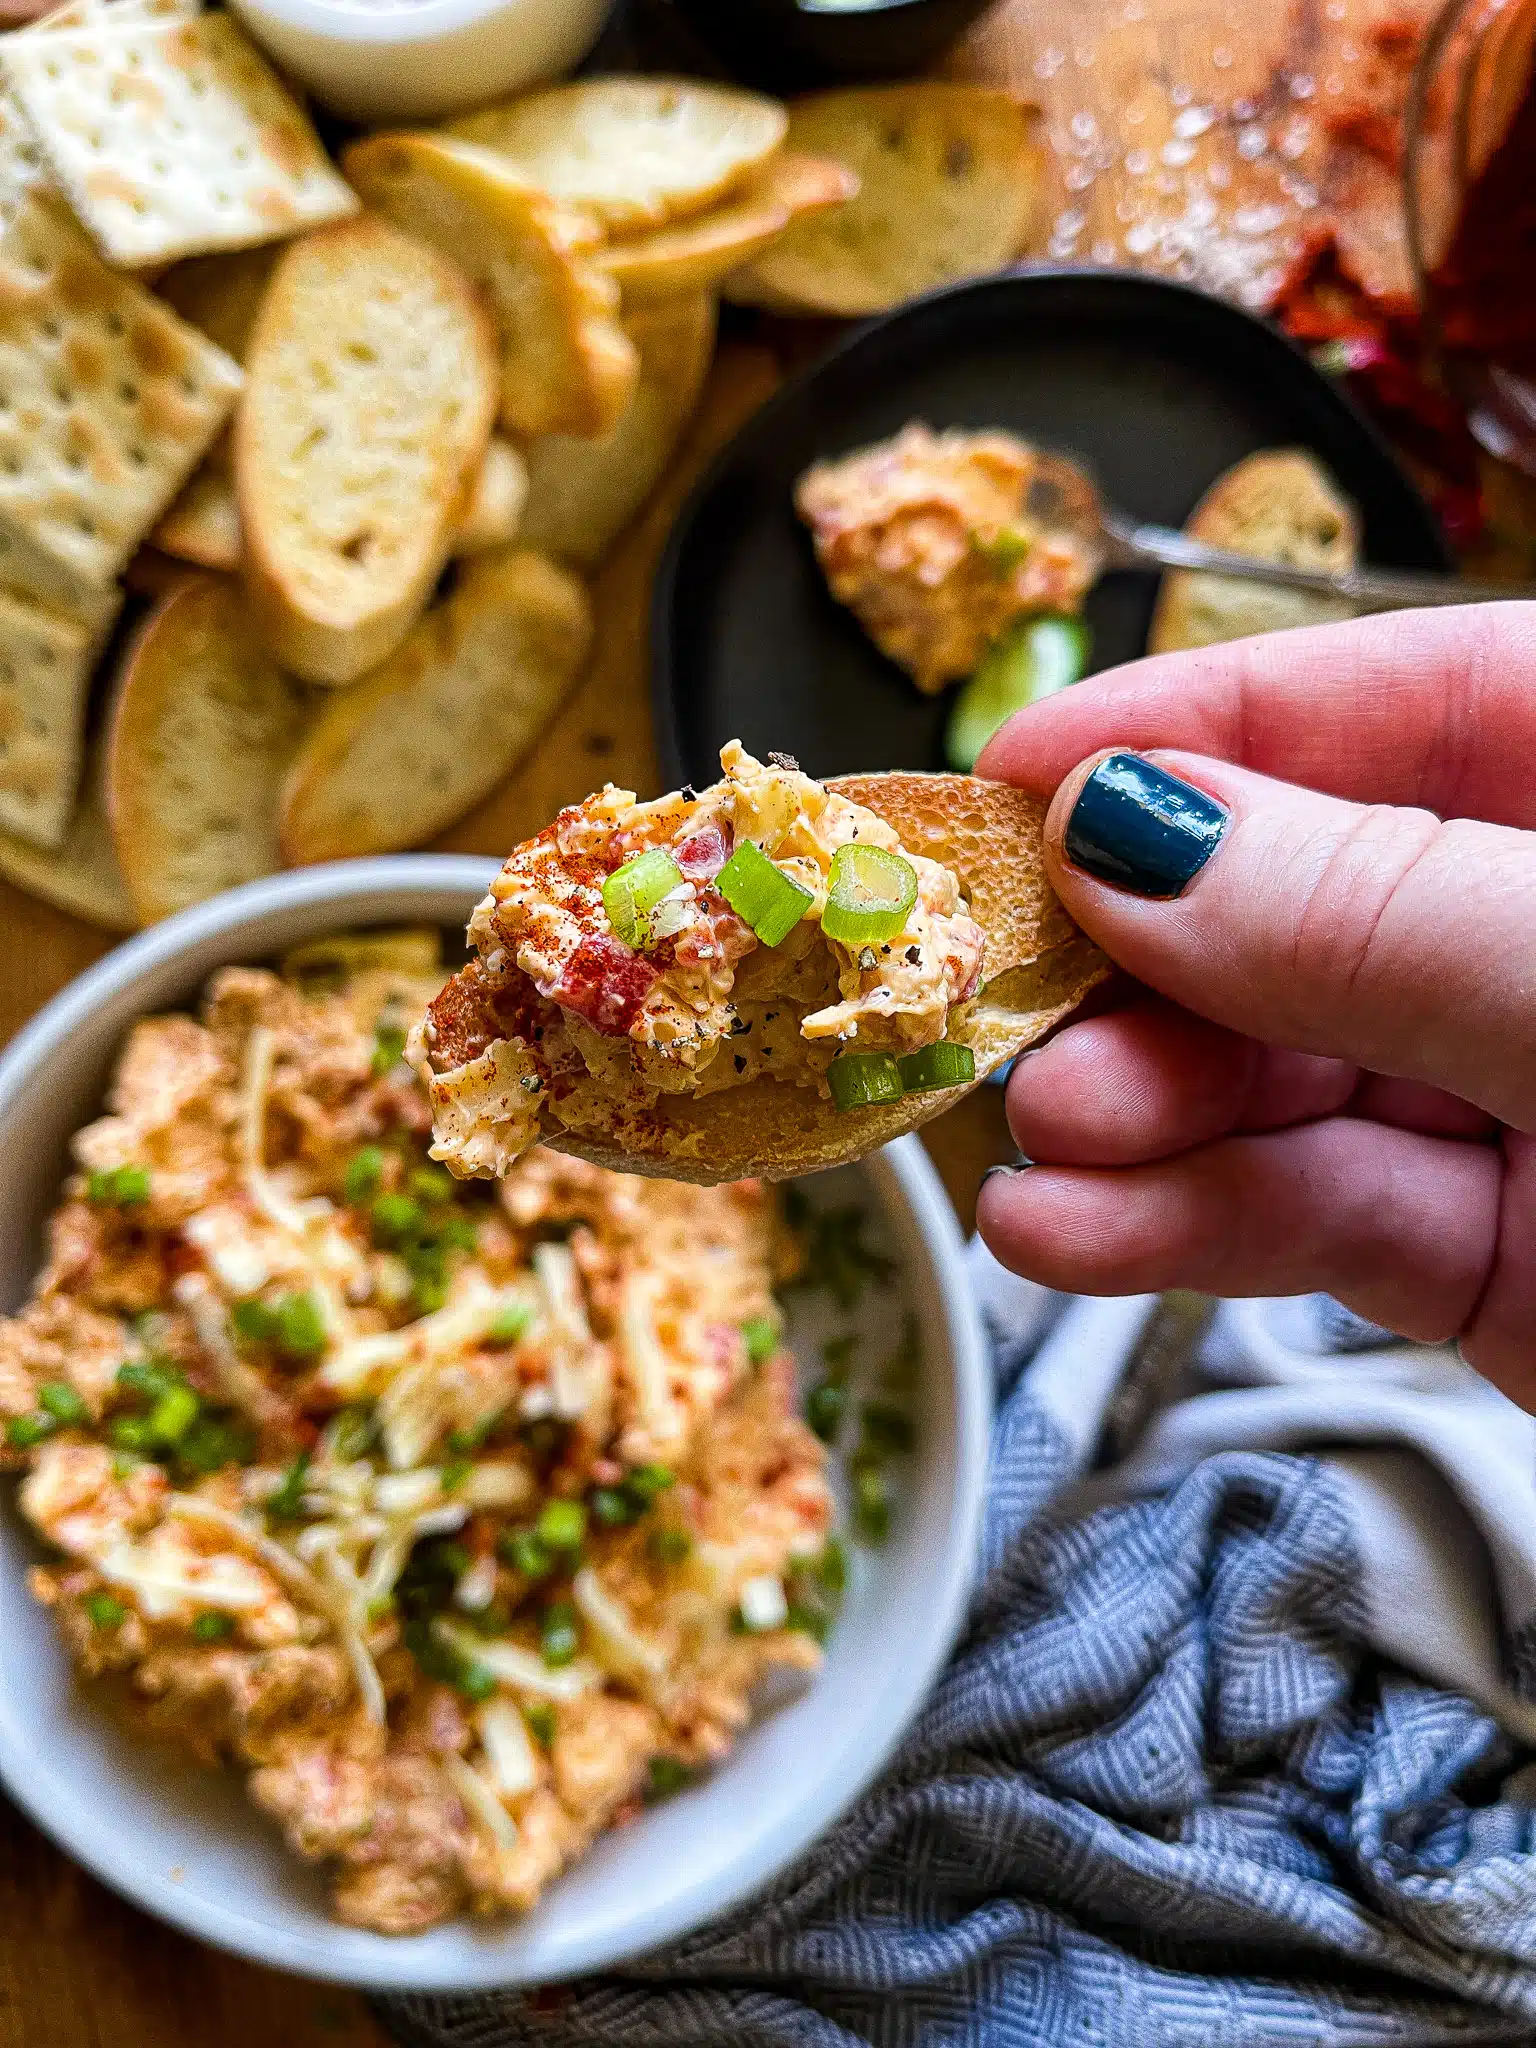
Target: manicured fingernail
point(1138, 827)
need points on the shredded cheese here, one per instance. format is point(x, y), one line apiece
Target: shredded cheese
point(521, 1670)
point(619, 1643)
point(481, 1803)
point(650, 1376)
point(298, 1577)
point(508, 1749)
point(367, 1364)
point(568, 1332)
point(239, 1383)
point(762, 1602)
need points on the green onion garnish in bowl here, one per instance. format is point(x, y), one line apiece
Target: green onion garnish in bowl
point(761, 894)
point(869, 893)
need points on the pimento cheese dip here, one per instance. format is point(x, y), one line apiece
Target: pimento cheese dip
point(689, 996)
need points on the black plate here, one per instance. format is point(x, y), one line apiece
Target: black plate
point(1157, 387)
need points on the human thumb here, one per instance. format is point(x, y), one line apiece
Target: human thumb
point(1400, 941)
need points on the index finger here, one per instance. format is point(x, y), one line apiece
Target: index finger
point(1434, 708)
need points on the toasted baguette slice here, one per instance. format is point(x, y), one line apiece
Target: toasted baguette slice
point(634, 151)
point(951, 178)
point(373, 378)
point(201, 730)
point(203, 526)
point(1038, 966)
point(566, 364)
point(436, 727)
point(698, 254)
point(582, 494)
point(1279, 506)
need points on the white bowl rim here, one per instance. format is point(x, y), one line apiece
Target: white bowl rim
point(401, 24)
point(905, 1170)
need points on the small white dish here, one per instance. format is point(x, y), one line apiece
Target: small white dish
point(418, 60)
point(183, 1843)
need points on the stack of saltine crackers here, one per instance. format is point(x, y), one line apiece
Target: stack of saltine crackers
point(132, 132)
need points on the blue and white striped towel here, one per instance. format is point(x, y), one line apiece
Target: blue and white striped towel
point(1239, 1748)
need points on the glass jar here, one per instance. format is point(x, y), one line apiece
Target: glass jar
point(1469, 186)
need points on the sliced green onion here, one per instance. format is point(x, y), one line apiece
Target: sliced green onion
point(669, 1545)
point(871, 1503)
point(666, 1775)
point(558, 1637)
point(394, 1219)
point(613, 1508)
point(761, 894)
point(350, 1433)
point(869, 893)
point(105, 1612)
point(646, 1481)
point(212, 1442)
point(562, 1524)
point(454, 1474)
point(465, 1441)
point(388, 1048)
point(633, 891)
point(943, 1065)
point(760, 1334)
point(174, 1414)
point(59, 1399)
point(858, 1079)
point(287, 1504)
point(365, 1173)
point(525, 1552)
point(213, 1626)
point(832, 1566)
point(147, 1376)
point(824, 1406)
point(542, 1723)
point(456, 1234)
point(433, 1185)
point(476, 1681)
point(300, 1327)
point(126, 1432)
point(26, 1432)
point(1006, 550)
point(121, 1187)
point(508, 1325)
point(1032, 661)
point(252, 1322)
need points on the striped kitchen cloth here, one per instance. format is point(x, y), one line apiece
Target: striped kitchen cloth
point(1239, 1747)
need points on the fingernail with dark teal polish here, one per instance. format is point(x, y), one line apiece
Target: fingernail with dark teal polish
point(1139, 828)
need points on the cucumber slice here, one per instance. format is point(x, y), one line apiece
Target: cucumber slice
point(1034, 660)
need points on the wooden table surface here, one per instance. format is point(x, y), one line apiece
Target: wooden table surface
point(1190, 137)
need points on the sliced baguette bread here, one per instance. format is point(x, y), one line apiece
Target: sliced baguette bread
point(950, 178)
point(582, 494)
point(372, 386)
point(1279, 506)
point(202, 727)
point(203, 526)
point(566, 364)
point(393, 761)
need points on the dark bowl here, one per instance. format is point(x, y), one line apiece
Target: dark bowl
point(783, 46)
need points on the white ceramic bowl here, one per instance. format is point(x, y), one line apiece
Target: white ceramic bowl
point(417, 60)
point(183, 1843)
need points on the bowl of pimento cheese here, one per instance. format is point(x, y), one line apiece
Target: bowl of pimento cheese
point(435, 1589)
